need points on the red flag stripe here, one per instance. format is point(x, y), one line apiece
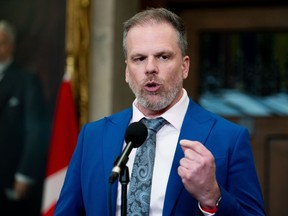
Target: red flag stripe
point(63, 140)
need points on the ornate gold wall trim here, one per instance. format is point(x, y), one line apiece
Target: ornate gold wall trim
point(77, 53)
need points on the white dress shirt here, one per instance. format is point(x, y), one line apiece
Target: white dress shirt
point(167, 138)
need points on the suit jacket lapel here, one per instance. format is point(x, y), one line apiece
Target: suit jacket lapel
point(5, 86)
point(197, 125)
point(113, 140)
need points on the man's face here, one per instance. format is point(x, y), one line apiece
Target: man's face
point(6, 47)
point(155, 67)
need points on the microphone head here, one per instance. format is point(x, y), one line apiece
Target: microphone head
point(136, 133)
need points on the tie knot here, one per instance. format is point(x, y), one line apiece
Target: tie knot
point(154, 124)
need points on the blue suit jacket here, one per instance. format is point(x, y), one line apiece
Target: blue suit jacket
point(85, 189)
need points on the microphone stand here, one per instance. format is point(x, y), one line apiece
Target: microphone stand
point(124, 180)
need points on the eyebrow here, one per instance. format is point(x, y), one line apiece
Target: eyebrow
point(163, 52)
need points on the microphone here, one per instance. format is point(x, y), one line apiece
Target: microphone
point(135, 136)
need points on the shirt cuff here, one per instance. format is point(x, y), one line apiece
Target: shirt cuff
point(204, 212)
point(23, 178)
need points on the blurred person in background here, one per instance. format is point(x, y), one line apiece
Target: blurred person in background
point(22, 127)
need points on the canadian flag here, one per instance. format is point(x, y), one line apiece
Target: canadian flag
point(63, 140)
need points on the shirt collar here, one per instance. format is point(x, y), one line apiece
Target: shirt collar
point(175, 115)
point(4, 65)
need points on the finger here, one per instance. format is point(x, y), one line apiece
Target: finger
point(184, 162)
point(191, 155)
point(182, 172)
point(192, 145)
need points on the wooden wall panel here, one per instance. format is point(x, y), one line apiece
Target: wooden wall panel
point(276, 174)
point(261, 128)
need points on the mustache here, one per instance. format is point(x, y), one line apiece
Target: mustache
point(152, 80)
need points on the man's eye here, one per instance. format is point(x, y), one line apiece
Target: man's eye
point(163, 57)
point(138, 59)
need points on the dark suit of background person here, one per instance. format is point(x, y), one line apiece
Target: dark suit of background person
point(22, 140)
point(155, 63)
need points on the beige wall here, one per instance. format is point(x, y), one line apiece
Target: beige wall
point(108, 92)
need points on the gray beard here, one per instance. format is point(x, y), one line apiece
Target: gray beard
point(164, 101)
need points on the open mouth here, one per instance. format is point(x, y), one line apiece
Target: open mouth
point(152, 86)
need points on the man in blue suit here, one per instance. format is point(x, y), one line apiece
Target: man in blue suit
point(203, 163)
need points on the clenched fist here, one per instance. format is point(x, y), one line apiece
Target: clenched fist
point(197, 171)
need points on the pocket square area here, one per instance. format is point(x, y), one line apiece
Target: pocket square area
point(13, 101)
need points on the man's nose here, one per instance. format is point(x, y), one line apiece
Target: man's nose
point(151, 66)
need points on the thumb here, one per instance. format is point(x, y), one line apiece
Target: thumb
point(185, 144)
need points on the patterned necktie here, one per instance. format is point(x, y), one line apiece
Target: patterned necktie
point(142, 172)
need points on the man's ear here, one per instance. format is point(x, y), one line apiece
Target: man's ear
point(185, 66)
point(126, 73)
